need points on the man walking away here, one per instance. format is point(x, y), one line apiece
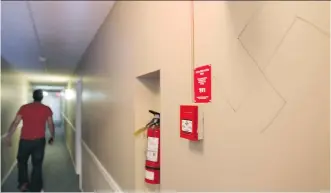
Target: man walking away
point(32, 142)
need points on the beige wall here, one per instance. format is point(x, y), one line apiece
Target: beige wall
point(272, 68)
point(267, 128)
point(70, 123)
point(13, 95)
point(107, 109)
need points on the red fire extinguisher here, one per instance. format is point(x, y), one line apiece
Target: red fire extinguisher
point(152, 173)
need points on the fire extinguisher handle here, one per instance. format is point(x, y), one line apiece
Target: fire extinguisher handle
point(155, 120)
point(154, 112)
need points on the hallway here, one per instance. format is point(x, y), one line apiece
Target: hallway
point(242, 89)
point(58, 170)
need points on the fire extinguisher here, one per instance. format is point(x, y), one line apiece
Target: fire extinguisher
point(152, 166)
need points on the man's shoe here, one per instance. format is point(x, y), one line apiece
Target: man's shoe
point(23, 187)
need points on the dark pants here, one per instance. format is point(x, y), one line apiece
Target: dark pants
point(35, 148)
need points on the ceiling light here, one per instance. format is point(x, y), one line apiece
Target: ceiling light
point(41, 78)
point(69, 94)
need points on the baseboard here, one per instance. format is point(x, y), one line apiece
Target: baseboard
point(4, 179)
point(74, 129)
point(71, 157)
point(109, 179)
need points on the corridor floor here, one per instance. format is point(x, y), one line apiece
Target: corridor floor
point(58, 171)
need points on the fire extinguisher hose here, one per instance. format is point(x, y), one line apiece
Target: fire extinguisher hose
point(139, 131)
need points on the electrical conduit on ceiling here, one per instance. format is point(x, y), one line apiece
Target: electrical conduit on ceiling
point(41, 59)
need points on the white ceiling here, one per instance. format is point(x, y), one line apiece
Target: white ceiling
point(60, 31)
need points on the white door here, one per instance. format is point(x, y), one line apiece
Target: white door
point(78, 140)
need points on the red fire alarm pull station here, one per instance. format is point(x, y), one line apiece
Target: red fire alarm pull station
point(191, 122)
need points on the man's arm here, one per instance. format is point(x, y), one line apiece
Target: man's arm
point(51, 126)
point(14, 125)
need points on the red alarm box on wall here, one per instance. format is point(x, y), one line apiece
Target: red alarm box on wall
point(191, 122)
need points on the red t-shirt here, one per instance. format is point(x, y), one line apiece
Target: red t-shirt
point(34, 116)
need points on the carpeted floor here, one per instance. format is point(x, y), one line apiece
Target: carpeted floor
point(58, 170)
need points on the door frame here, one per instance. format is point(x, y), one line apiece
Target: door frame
point(78, 136)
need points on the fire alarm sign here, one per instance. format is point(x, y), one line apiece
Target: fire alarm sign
point(202, 84)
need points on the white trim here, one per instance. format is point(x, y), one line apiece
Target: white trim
point(112, 183)
point(4, 179)
point(68, 121)
point(67, 145)
point(4, 135)
point(71, 157)
point(18, 128)
point(78, 123)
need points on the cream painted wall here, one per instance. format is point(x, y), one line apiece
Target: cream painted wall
point(267, 128)
point(107, 109)
point(13, 94)
point(70, 123)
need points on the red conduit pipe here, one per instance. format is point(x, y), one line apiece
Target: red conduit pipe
point(192, 50)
